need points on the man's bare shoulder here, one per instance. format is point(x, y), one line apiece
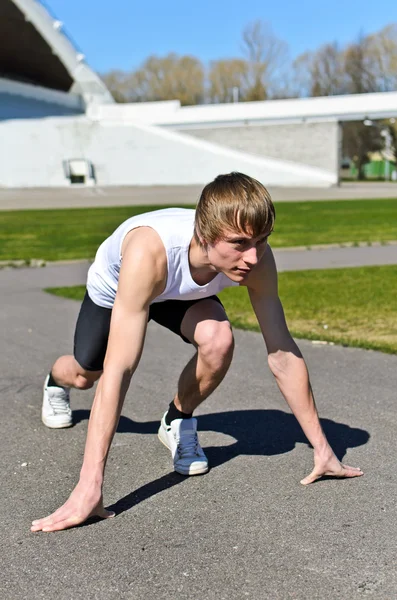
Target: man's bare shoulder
point(144, 238)
point(144, 260)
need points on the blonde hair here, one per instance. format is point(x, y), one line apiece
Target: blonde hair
point(236, 202)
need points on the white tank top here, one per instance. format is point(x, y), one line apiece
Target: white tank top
point(175, 227)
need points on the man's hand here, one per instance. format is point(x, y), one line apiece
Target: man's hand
point(83, 503)
point(330, 466)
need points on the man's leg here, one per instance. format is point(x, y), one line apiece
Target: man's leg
point(65, 374)
point(206, 326)
point(79, 371)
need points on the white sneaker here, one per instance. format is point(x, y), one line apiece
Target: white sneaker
point(55, 412)
point(180, 437)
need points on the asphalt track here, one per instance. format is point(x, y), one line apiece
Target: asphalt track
point(247, 529)
point(81, 196)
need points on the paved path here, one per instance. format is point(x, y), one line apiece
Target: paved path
point(247, 529)
point(121, 196)
point(298, 259)
point(290, 259)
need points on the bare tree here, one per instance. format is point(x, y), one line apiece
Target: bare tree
point(224, 77)
point(319, 73)
point(116, 82)
point(327, 71)
point(382, 47)
point(301, 76)
point(359, 67)
point(171, 77)
point(265, 55)
point(367, 65)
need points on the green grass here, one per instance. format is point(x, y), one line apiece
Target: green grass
point(311, 223)
point(76, 233)
point(60, 234)
point(358, 305)
point(75, 292)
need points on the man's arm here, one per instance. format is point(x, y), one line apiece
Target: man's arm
point(289, 368)
point(142, 278)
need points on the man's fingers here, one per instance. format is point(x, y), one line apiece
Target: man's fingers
point(40, 523)
point(51, 517)
point(351, 471)
point(106, 514)
point(310, 478)
point(344, 472)
point(64, 524)
point(52, 523)
point(47, 523)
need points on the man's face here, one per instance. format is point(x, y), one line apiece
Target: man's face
point(237, 253)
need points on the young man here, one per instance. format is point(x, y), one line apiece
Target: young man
point(168, 266)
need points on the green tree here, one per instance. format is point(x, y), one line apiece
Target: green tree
point(393, 134)
point(358, 141)
point(391, 126)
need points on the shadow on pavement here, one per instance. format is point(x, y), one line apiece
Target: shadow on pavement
point(257, 433)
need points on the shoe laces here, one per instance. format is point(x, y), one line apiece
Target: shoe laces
point(58, 399)
point(187, 443)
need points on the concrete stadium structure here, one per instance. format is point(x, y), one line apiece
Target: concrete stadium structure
point(59, 125)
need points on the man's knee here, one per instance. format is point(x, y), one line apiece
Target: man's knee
point(215, 343)
point(86, 380)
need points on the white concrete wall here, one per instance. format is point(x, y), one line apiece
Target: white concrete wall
point(32, 151)
point(302, 130)
point(133, 112)
point(314, 144)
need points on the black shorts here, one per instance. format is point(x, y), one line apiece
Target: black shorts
point(93, 324)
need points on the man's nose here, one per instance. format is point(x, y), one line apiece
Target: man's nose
point(251, 256)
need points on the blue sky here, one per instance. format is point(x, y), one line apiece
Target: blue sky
point(122, 33)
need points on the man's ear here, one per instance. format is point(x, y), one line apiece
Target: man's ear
point(201, 240)
point(204, 244)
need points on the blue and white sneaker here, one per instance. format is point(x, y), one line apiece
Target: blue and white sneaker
point(180, 437)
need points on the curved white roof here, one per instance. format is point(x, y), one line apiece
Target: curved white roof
point(355, 107)
point(36, 50)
